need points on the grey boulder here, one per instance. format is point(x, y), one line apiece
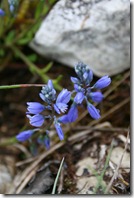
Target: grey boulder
point(96, 32)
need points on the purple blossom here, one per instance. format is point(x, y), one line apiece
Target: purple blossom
point(75, 80)
point(64, 96)
point(36, 120)
point(11, 7)
point(48, 93)
point(71, 116)
point(59, 130)
point(12, 4)
point(83, 89)
point(35, 108)
point(94, 113)
point(24, 135)
point(45, 140)
point(62, 100)
point(84, 74)
point(63, 119)
point(88, 77)
point(102, 82)
point(60, 107)
point(2, 12)
point(79, 98)
point(73, 113)
point(78, 88)
point(96, 96)
point(83, 92)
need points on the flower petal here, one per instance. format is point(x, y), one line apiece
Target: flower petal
point(44, 140)
point(60, 107)
point(96, 96)
point(24, 135)
point(63, 119)
point(73, 113)
point(50, 84)
point(2, 12)
point(42, 96)
point(94, 113)
point(88, 77)
point(35, 107)
point(59, 130)
point(75, 80)
point(56, 109)
point(36, 120)
point(79, 98)
point(64, 96)
point(102, 82)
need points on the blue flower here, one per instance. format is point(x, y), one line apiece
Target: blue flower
point(12, 4)
point(79, 97)
point(75, 80)
point(84, 91)
point(2, 12)
point(78, 88)
point(35, 108)
point(59, 130)
point(36, 120)
point(88, 77)
point(94, 113)
point(96, 96)
point(102, 82)
point(11, 7)
point(84, 74)
point(45, 140)
point(71, 116)
point(25, 135)
point(62, 100)
point(48, 93)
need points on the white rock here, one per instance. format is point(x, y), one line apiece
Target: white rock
point(116, 156)
point(96, 32)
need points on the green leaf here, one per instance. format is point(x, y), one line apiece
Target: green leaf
point(10, 37)
point(2, 52)
point(24, 41)
point(32, 57)
point(47, 68)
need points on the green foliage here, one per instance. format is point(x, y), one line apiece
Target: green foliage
point(17, 29)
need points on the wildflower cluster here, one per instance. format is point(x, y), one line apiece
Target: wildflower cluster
point(12, 5)
point(44, 115)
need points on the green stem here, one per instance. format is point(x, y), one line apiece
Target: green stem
point(57, 177)
point(9, 141)
point(20, 86)
point(32, 67)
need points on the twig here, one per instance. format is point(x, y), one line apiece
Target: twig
point(78, 136)
point(117, 168)
point(81, 135)
point(27, 179)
